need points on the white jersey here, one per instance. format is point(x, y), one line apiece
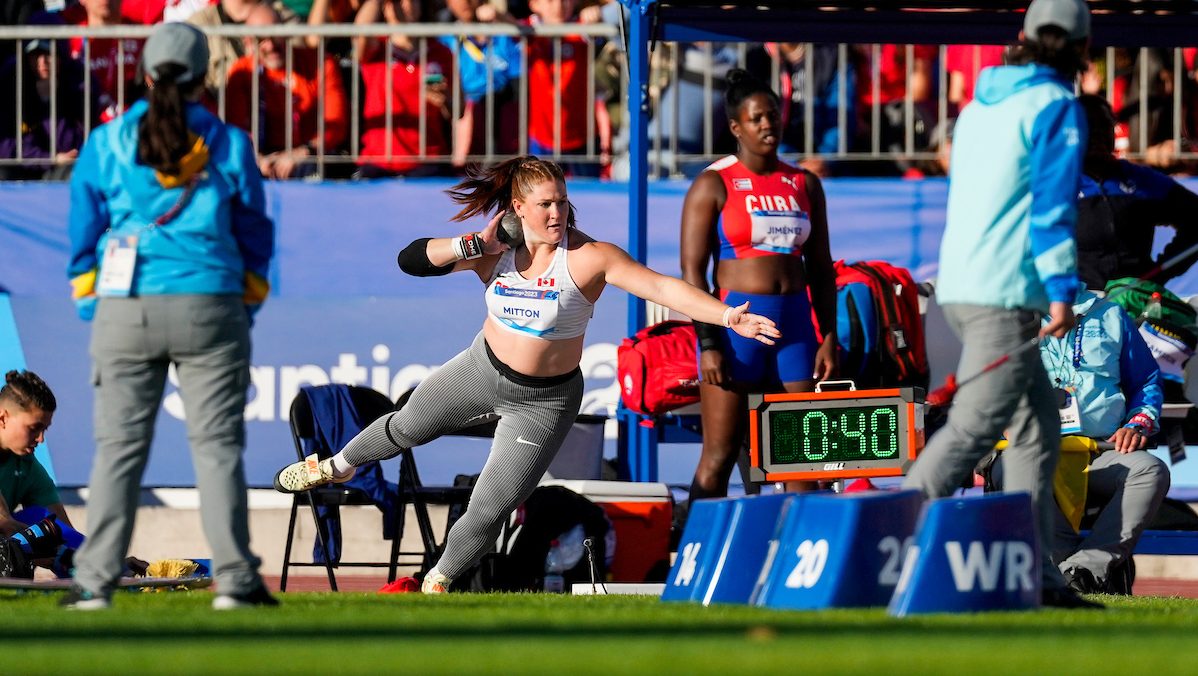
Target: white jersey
point(549, 306)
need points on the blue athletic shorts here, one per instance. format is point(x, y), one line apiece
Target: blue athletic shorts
point(792, 359)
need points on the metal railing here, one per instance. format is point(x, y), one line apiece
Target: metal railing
point(859, 133)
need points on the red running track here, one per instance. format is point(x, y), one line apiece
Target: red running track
point(364, 583)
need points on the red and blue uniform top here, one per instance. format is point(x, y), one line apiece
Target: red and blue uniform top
point(763, 215)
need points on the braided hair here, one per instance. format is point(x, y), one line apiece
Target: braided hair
point(27, 391)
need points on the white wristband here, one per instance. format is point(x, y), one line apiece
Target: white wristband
point(727, 314)
point(467, 247)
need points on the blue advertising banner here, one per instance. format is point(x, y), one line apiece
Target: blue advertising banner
point(340, 310)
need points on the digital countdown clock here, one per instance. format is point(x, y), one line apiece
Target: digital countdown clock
point(835, 435)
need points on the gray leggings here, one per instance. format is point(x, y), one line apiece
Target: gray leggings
point(534, 420)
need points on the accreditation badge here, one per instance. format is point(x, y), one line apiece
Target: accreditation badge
point(116, 269)
point(1071, 417)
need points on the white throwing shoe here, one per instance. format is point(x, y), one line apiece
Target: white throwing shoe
point(304, 476)
point(435, 583)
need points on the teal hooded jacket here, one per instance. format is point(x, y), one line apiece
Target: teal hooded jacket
point(1109, 367)
point(201, 231)
point(1015, 173)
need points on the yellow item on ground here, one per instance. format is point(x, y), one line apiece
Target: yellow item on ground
point(172, 568)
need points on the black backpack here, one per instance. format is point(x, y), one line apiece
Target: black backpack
point(548, 513)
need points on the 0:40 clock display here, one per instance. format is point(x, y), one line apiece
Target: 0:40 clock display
point(834, 434)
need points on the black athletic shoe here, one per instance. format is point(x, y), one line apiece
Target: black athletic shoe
point(1122, 577)
point(1082, 581)
point(13, 562)
point(258, 596)
point(1067, 598)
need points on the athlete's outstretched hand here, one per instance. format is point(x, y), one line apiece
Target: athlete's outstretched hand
point(753, 326)
point(490, 235)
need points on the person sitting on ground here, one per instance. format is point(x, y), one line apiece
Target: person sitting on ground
point(40, 533)
point(26, 410)
point(1109, 381)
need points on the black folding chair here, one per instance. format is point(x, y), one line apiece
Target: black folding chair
point(370, 406)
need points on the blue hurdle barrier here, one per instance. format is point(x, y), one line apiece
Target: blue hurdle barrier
point(840, 551)
point(971, 554)
point(706, 525)
point(748, 543)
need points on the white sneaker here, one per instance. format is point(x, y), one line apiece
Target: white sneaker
point(435, 583)
point(78, 598)
point(304, 476)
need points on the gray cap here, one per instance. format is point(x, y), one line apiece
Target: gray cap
point(1071, 16)
point(178, 43)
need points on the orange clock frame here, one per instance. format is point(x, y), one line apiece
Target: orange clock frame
point(907, 400)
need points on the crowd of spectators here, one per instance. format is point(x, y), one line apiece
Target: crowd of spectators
point(427, 106)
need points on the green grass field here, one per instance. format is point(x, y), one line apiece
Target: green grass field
point(177, 633)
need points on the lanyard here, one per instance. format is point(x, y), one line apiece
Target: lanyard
point(1058, 355)
point(1077, 342)
point(184, 198)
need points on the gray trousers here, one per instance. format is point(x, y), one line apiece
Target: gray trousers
point(1016, 398)
point(134, 341)
point(533, 423)
point(1128, 489)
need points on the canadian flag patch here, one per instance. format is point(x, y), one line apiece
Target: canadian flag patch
point(545, 281)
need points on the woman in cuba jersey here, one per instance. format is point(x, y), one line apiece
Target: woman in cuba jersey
point(762, 224)
point(523, 365)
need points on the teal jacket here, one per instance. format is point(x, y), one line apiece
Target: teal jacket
point(1012, 199)
point(202, 231)
point(1114, 376)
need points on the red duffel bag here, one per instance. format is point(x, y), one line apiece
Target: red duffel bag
point(658, 368)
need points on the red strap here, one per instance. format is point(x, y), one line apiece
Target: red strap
point(172, 213)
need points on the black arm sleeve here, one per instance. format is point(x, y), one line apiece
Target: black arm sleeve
point(414, 260)
point(709, 336)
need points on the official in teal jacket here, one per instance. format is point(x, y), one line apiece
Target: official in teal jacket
point(200, 230)
point(1104, 368)
point(1105, 364)
point(170, 249)
point(1008, 258)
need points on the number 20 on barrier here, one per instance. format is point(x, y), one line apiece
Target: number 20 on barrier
point(813, 556)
